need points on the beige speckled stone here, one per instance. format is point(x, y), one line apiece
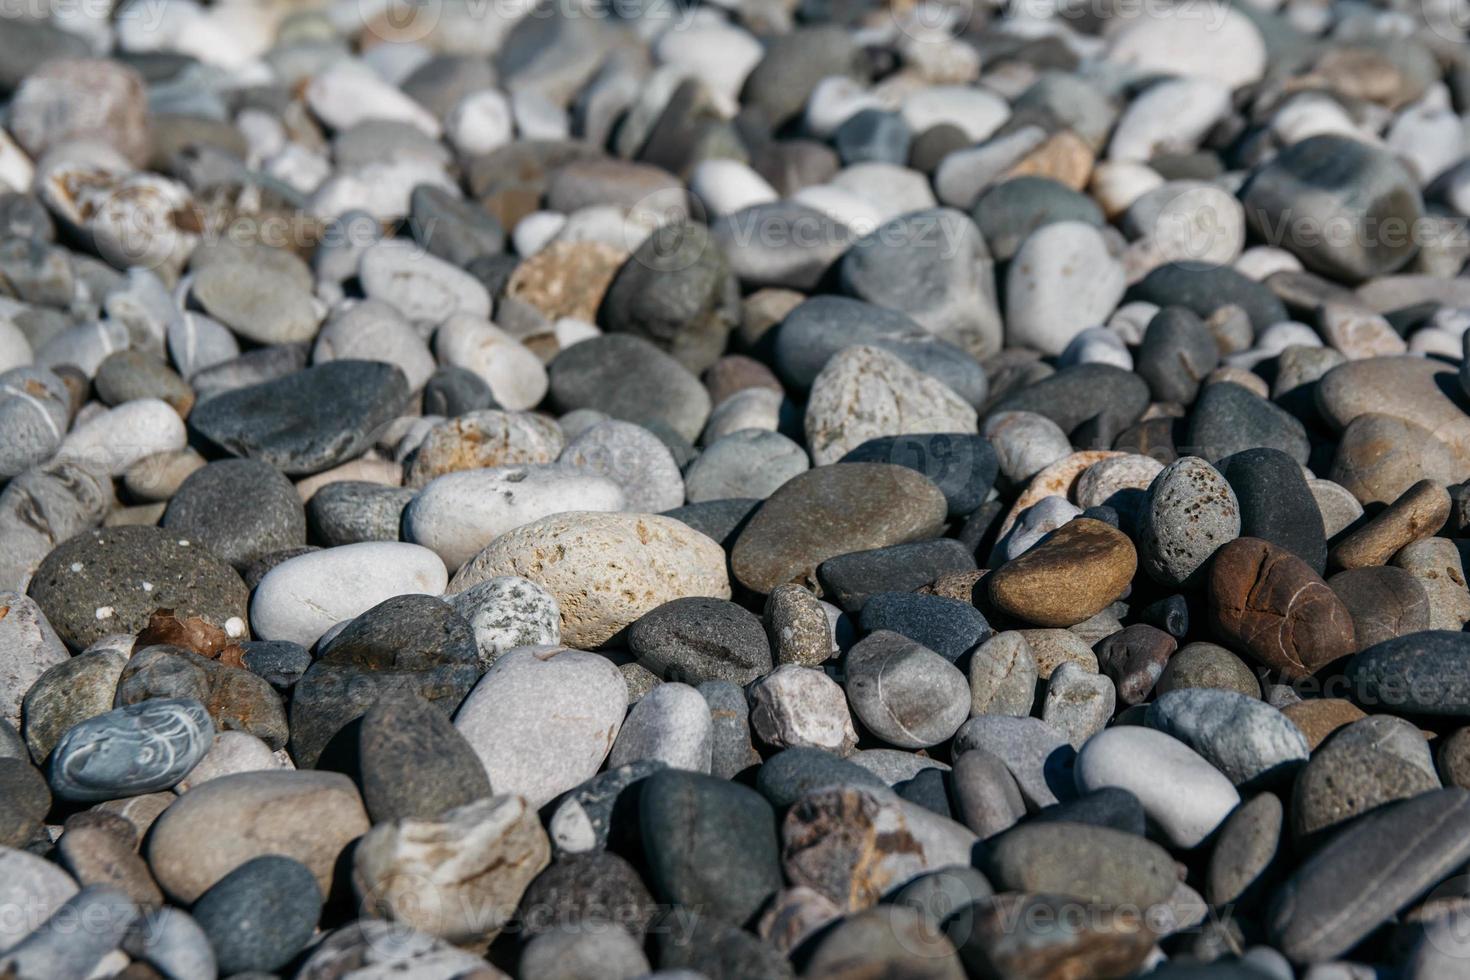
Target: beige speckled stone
point(605, 570)
point(485, 438)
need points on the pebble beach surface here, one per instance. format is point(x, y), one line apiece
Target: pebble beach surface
point(739, 490)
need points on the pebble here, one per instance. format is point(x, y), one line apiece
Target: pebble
point(905, 693)
point(947, 626)
point(963, 466)
point(629, 378)
point(308, 816)
point(1385, 602)
point(748, 463)
point(1396, 852)
point(1276, 504)
point(1003, 675)
point(1135, 658)
point(1182, 793)
point(1416, 514)
point(303, 597)
point(508, 612)
point(853, 843)
point(1436, 563)
point(1246, 739)
point(1070, 576)
point(799, 706)
point(1209, 666)
point(1353, 183)
point(673, 561)
point(456, 515)
point(1038, 757)
point(1380, 456)
point(242, 938)
point(868, 505)
point(542, 720)
point(356, 511)
point(308, 421)
point(632, 457)
point(1078, 703)
point(1272, 605)
point(670, 724)
point(709, 844)
point(1094, 864)
point(132, 750)
point(866, 392)
point(238, 509)
point(415, 764)
point(484, 439)
point(460, 876)
point(848, 580)
point(1046, 304)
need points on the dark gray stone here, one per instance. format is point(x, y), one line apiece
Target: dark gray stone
point(308, 421)
point(112, 580)
point(962, 466)
point(1425, 673)
point(239, 509)
point(847, 580)
point(709, 844)
point(701, 639)
point(260, 915)
point(947, 626)
point(1229, 419)
point(414, 763)
point(351, 511)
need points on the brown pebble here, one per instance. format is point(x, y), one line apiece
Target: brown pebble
point(1418, 513)
point(1321, 717)
point(736, 372)
point(1070, 576)
point(1134, 658)
point(1269, 603)
point(96, 856)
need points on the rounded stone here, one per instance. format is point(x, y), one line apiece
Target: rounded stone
point(1270, 604)
point(834, 510)
point(1208, 666)
point(260, 915)
point(1189, 513)
point(748, 463)
point(132, 750)
point(112, 580)
point(508, 612)
point(1093, 864)
point(697, 639)
point(483, 439)
point(963, 466)
point(905, 693)
point(414, 763)
point(630, 379)
point(1248, 740)
point(603, 558)
point(800, 706)
point(542, 720)
point(1276, 504)
point(633, 458)
point(24, 801)
point(210, 831)
point(1332, 180)
point(1182, 793)
point(307, 421)
point(303, 597)
point(1385, 602)
point(1070, 576)
point(239, 509)
point(458, 514)
point(1380, 456)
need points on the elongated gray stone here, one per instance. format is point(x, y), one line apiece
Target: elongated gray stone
point(1245, 738)
point(140, 748)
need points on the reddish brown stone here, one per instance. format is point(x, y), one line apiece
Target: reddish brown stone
point(1269, 603)
point(1043, 937)
point(1135, 658)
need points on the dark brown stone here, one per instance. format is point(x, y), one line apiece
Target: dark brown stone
point(1319, 718)
point(1269, 603)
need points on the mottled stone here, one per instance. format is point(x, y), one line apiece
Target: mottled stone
point(1073, 574)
